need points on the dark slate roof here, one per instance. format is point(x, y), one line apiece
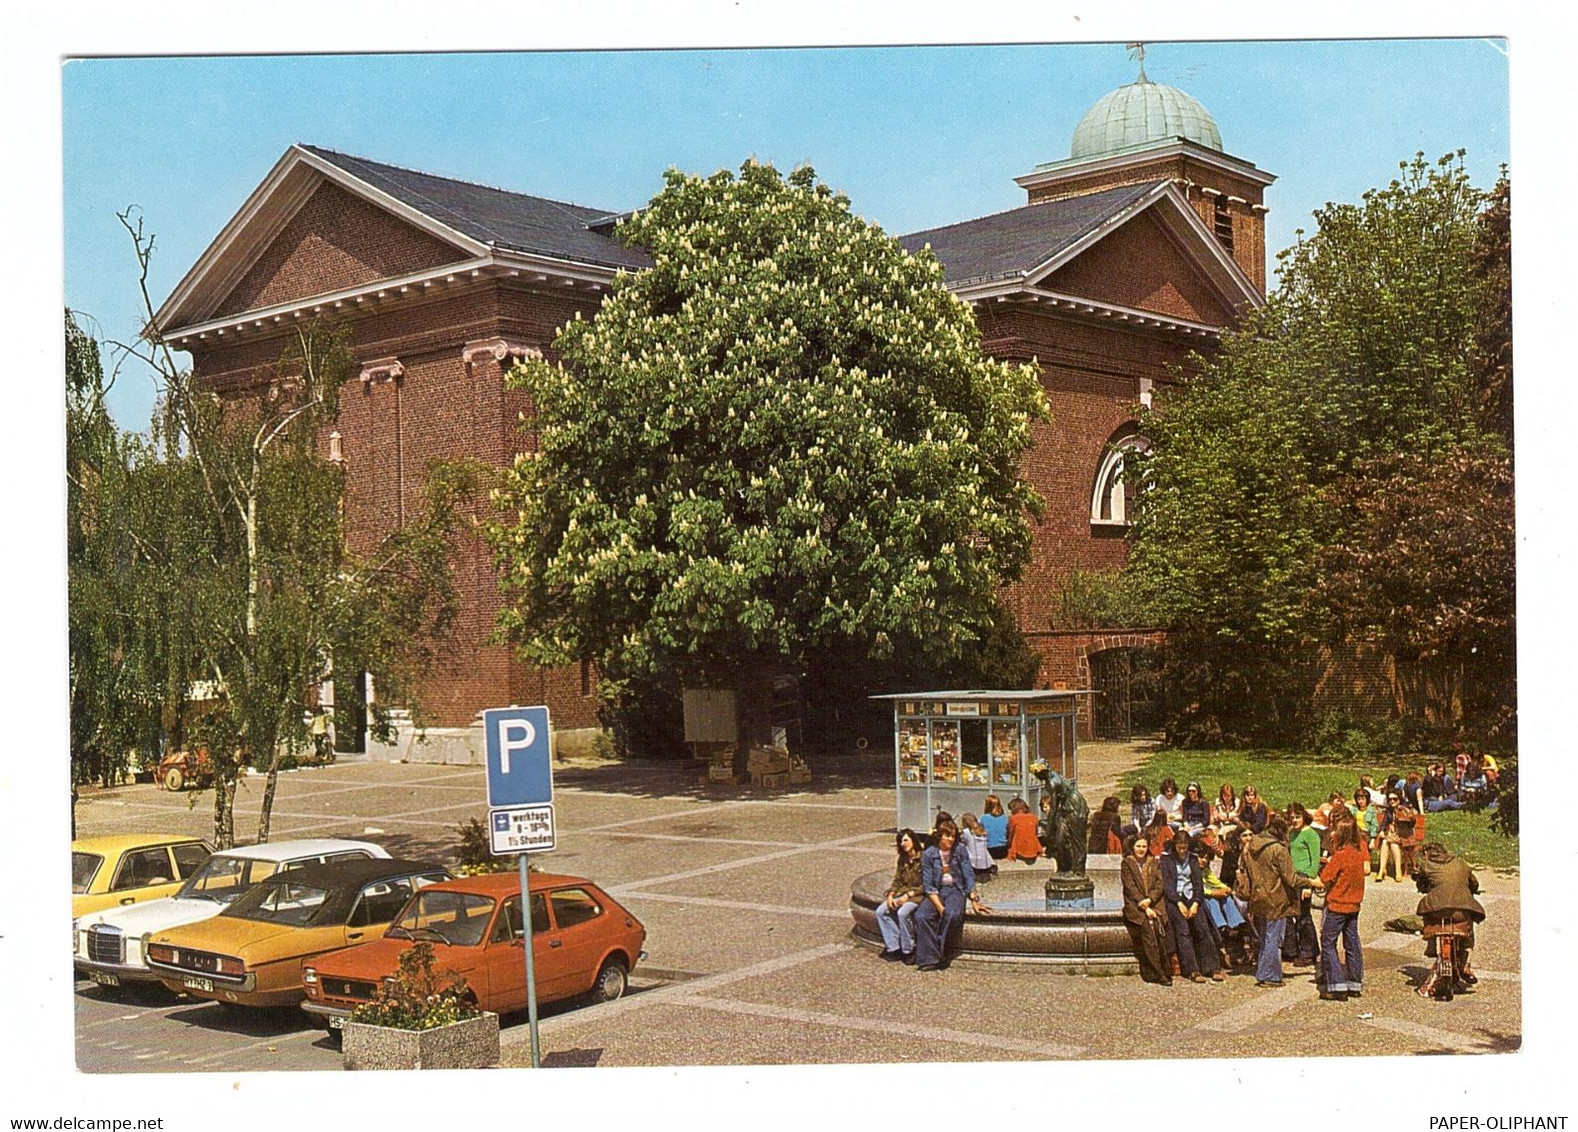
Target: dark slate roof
point(1010, 243)
point(513, 221)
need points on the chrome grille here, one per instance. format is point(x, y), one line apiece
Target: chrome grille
point(205, 961)
point(106, 944)
point(349, 988)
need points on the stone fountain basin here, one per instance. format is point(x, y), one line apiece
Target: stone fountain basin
point(1021, 929)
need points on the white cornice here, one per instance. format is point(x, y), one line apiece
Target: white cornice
point(1015, 291)
point(1062, 171)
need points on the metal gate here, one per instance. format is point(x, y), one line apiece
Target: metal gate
point(1128, 686)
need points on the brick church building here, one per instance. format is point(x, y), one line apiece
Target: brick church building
point(1135, 251)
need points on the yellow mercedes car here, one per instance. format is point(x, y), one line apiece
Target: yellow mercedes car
point(250, 954)
point(126, 868)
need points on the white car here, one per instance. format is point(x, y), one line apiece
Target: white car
point(108, 945)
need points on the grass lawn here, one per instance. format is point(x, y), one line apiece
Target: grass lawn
point(1284, 776)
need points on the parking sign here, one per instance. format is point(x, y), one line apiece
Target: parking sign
point(519, 770)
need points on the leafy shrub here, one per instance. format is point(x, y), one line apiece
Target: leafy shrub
point(418, 998)
point(475, 855)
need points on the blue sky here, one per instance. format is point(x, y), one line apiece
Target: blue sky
point(916, 136)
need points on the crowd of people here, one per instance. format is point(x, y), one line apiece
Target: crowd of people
point(1211, 886)
point(1229, 884)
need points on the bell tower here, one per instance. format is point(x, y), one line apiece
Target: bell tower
point(1147, 131)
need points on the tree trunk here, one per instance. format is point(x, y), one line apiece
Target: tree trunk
point(266, 817)
point(753, 711)
point(224, 807)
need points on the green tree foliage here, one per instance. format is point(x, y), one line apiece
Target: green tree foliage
point(781, 440)
point(114, 689)
point(1329, 476)
point(245, 576)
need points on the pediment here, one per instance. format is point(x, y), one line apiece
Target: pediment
point(309, 229)
point(1157, 257)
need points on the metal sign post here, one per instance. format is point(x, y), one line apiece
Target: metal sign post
point(520, 813)
point(531, 973)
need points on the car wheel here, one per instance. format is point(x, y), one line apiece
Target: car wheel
point(611, 981)
point(174, 778)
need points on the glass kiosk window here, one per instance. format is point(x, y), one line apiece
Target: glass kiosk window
point(1005, 752)
point(944, 751)
point(973, 751)
point(912, 750)
point(1053, 742)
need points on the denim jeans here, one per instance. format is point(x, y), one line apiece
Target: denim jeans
point(1349, 974)
point(1268, 968)
point(895, 924)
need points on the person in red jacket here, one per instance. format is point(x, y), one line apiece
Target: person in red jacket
point(1024, 844)
point(1343, 876)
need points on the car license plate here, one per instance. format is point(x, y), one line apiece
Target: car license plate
point(336, 1022)
point(105, 980)
point(195, 983)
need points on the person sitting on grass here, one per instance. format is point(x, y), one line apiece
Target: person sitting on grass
point(1252, 812)
point(1224, 811)
point(1170, 802)
point(1141, 808)
point(1195, 813)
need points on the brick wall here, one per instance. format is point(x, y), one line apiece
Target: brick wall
point(335, 241)
point(1139, 266)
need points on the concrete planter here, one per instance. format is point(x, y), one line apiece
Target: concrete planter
point(472, 1044)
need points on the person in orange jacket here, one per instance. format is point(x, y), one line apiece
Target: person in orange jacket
point(1024, 844)
point(1343, 876)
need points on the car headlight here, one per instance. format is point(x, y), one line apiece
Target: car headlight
point(309, 976)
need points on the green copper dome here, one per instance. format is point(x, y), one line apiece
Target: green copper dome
point(1140, 113)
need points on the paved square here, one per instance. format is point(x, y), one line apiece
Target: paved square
point(745, 896)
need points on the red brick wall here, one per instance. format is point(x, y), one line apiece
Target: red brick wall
point(1139, 266)
point(334, 241)
point(1091, 374)
point(438, 409)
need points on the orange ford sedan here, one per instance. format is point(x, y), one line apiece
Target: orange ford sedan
point(584, 943)
point(251, 953)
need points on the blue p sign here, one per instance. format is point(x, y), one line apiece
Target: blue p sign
point(519, 771)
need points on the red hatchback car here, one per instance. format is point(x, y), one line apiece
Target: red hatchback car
point(584, 943)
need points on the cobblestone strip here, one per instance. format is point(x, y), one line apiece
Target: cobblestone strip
point(1443, 1038)
point(883, 1026)
point(673, 995)
point(742, 905)
point(745, 862)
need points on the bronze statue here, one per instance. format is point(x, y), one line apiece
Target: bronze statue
point(1065, 825)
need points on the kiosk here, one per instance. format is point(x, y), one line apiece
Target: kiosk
point(951, 749)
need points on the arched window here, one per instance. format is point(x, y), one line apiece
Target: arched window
point(1112, 503)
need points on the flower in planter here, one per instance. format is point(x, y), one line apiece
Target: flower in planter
point(417, 997)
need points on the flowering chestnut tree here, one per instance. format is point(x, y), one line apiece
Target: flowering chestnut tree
point(782, 439)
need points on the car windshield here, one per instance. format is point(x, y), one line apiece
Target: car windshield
point(279, 902)
point(83, 868)
point(458, 918)
point(223, 878)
